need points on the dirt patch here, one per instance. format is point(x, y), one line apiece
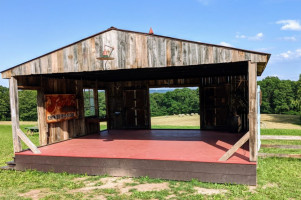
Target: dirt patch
point(107, 183)
point(120, 185)
point(207, 191)
point(146, 187)
point(35, 194)
point(99, 197)
point(252, 189)
point(171, 196)
point(269, 185)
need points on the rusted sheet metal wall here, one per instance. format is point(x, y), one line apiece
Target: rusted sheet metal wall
point(132, 50)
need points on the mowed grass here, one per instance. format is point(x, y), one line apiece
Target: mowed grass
point(280, 121)
point(268, 121)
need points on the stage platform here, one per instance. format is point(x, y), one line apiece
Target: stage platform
point(167, 154)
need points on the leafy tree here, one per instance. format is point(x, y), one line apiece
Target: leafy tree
point(4, 104)
point(102, 104)
point(179, 101)
point(28, 105)
point(279, 96)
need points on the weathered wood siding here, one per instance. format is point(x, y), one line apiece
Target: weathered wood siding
point(132, 50)
point(117, 108)
point(236, 91)
point(55, 132)
point(220, 97)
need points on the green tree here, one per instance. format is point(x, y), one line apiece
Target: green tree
point(279, 96)
point(102, 104)
point(4, 104)
point(179, 101)
point(28, 105)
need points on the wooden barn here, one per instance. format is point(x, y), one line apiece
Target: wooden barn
point(126, 64)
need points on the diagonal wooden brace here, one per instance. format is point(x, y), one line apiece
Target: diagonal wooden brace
point(235, 147)
point(27, 141)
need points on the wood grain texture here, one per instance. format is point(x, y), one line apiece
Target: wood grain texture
point(132, 50)
point(281, 146)
point(175, 170)
point(252, 110)
point(43, 126)
point(279, 137)
point(266, 155)
point(27, 141)
point(14, 107)
point(235, 147)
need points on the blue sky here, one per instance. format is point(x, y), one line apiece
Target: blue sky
point(31, 28)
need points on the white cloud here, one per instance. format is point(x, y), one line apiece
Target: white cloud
point(291, 54)
point(226, 44)
point(293, 25)
point(289, 38)
point(238, 35)
point(287, 54)
point(258, 36)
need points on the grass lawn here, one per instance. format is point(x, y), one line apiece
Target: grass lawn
point(278, 178)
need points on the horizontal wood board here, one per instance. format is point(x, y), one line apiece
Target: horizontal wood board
point(175, 170)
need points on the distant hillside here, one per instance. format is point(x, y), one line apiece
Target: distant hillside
point(164, 90)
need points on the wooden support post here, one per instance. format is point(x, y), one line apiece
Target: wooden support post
point(252, 78)
point(43, 127)
point(235, 147)
point(14, 102)
point(27, 141)
point(17, 132)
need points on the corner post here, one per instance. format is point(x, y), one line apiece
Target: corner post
point(252, 78)
point(14, 107)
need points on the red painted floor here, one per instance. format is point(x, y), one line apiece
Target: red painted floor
point(178, 145)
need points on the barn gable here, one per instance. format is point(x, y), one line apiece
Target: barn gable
point(133, 50)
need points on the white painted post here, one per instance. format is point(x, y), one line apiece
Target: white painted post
point(258, 118)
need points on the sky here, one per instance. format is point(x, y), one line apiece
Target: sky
point(31, 28)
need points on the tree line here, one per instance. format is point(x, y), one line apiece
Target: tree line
point(278, 97)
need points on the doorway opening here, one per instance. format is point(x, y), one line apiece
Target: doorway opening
point(102, 109)
point(175, 108)
point(28, 115)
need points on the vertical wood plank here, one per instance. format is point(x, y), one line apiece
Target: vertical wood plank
point(131, 62)
point(122, 49)
point(43, 127)
point(60, 61)
point(141, 51)
point(14, 106)
point(92, 54)
point(252, 69)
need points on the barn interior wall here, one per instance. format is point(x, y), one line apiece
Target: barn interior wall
point(222, 100)
point(59, 131)
point(219, 96)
